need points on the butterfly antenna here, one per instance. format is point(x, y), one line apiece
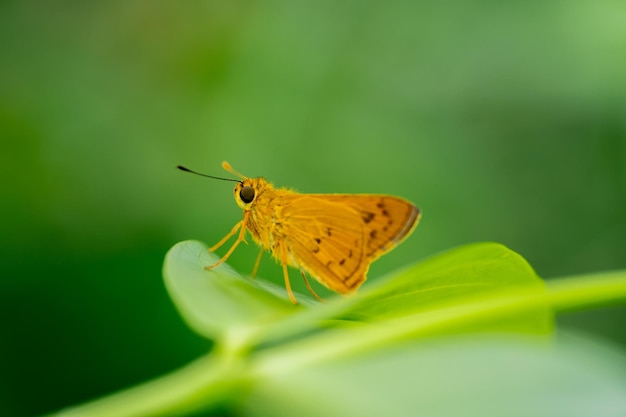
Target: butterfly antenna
point(182, 168)
point(230, 169)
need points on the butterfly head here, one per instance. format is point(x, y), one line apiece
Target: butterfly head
point(246, 192)
point(248, 189)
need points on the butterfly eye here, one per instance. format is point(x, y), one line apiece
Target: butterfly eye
point(246, 194)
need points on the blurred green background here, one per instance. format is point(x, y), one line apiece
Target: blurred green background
point(503, 121)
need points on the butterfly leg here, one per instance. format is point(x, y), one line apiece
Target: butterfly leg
point(306, 282)
point(283, 261)
point(225, 239)
point(240, 238)
point(257, 263)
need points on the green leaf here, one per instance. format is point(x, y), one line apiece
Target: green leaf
point(457, 275)
point(219, 303)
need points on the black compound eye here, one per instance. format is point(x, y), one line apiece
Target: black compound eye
point(247, 194)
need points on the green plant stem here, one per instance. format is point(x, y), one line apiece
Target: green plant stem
point(202, 383)
point(587, 291)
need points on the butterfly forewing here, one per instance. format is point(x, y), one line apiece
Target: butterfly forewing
point(326, 240)
point(335, 237)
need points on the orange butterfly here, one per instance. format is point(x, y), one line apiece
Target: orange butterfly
point(332, 237)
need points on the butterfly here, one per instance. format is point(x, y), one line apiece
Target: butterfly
point(331, 237)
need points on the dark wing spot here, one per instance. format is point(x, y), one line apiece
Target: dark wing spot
point(317, 249)
point(385, 228)
point(328, 232)
point(318, 240)
point(350, 254)
point(390, 222)
point(353, 284)
point(385, 213)
point(373, 234)
point(343, 261)
point(380, 205)
point(368, 217)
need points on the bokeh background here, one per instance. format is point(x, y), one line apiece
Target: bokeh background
point(503, 121)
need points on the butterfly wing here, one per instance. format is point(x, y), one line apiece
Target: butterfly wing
point(387, 220)
point(336, 237)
